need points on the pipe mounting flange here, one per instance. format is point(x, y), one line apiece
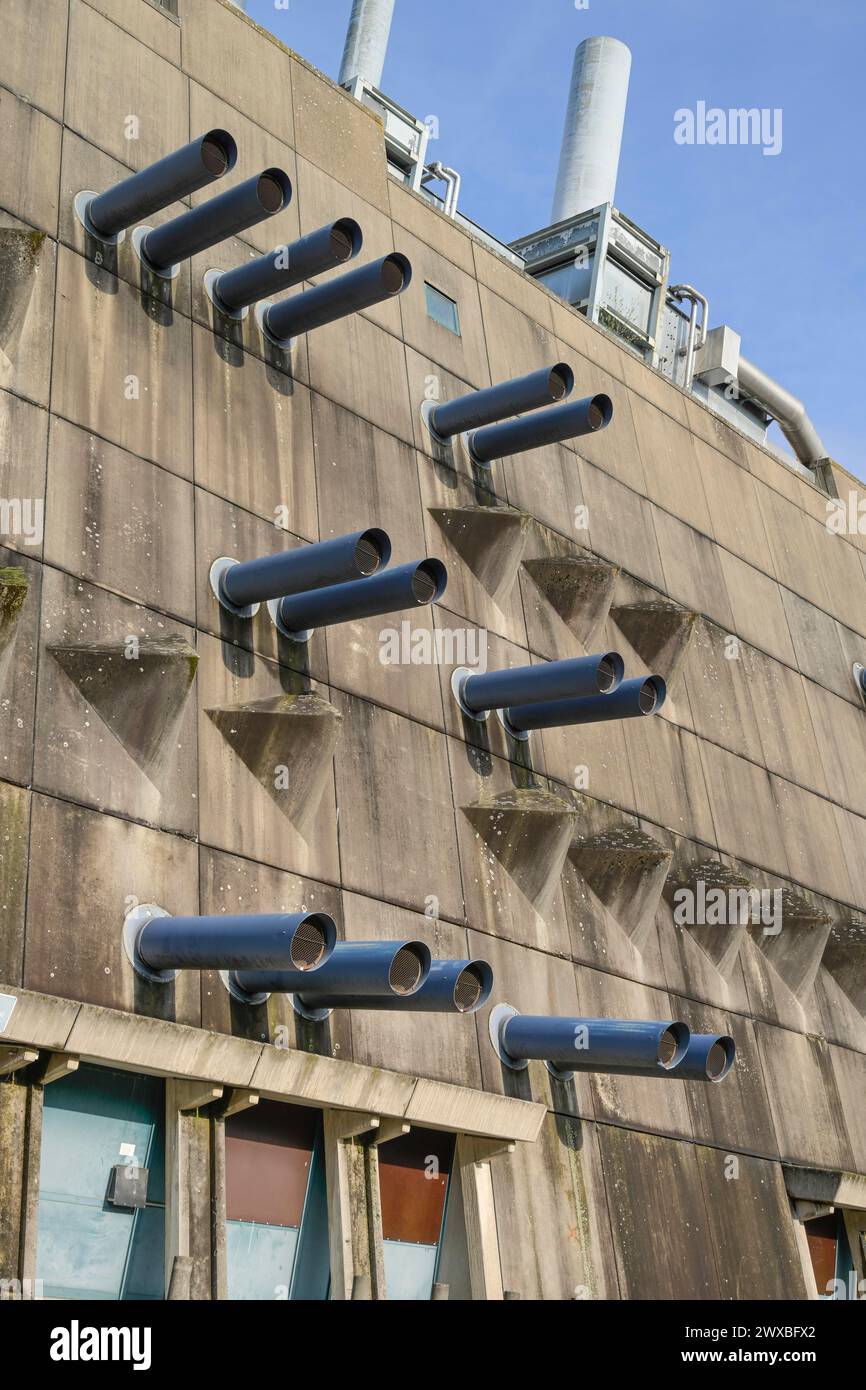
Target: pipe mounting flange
point(242, 996)
point(218, 571)
point(81, 208)
point(427, 408)
point(171, 273)
point(311, 1015)
point(133, 925)
point(497, 1019)
point(858, 671)
point(520, 735)
point(459, 677)
point(486, 464)
point(210, 281)
point(261, 313)
point(274, 610)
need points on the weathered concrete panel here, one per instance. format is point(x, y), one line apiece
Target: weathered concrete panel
point(552, 1216)
point(465, 355)
point(26, 309)
point(735, 1114)
point(441, 233)
point(804, 1098)
point(671, 466)
point(35, 70)
point(342, 137)
point(31, 170)
point(145, 22)
point(622, 526)
point(241, 63)
point(116, 76)
point(20, 604)
point(751, 1226)
point(693, 573)
point(661, 1231)
point(14, 844)
point(119, 522)
point(75, 920)
point(23, 450)
point(757, 608)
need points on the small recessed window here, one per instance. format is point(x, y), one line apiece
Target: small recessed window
point(442, 309)
point(170, 5)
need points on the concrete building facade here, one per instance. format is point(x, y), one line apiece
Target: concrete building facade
point(156, 750)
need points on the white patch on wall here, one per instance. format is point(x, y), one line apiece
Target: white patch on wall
point(7, 1004)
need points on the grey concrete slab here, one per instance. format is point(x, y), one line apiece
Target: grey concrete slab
point(812, 844)
point(14, 845)
point(733, 1114)
point(242, 64)
point(20, 609)
point(119, 522)
point(31, 173)
point(343, 137)
point(819, 645)
point(464, 355)
point(35, 71)
point(671, 464)
point(669, 778)
point(117, 864)
point(751, 1198)
point(720, 684)
point(154, 27)
point(693, 573)
point(622, 526)
point(757, 609)
point(839, 731)
point(417, 215)
point(361, 367)
point(808, 1113)
point(23, 454)
point(396, 825)
point(27, 300)
point(735, 517)
point(849, 1071)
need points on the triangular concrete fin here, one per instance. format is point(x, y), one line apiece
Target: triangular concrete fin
point(490, 540)
point(20, 249)
point(287, 742)
point(659, 632)
point(14, 585)
point(845, 958)
point(625, 869)
point(138, 690)
point(705, 882)
point(795, 943)
point(579, 588)
point(528, 831)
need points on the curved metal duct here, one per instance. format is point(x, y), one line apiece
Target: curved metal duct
point(786, 408)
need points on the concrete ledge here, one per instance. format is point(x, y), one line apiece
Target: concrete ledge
point(111, 1038)
point(825, 1186)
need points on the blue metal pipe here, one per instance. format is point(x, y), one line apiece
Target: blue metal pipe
point(404, 586)
point(301, 941)
point(451, 986)
point(286, 266)
point(708, 1057)
point(230, 213)
point(544, 427)
point(176, 176)
point(360, 289)
point(550, 680)
point(355, 970)
point(337, 561)
point(633, 699)
point(479, 408)
point(627, 1047)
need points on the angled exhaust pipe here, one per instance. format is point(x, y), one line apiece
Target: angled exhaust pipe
point(624, 1047)
point(158, 945)
point(478, 694)
point(241, 587)
point(493, 403)
point(544, 427)
point(358, 973)
point(451, 986)
point(185, 171)
point(162, 249)
point(708, 1057)
point(232, 291)
point(348, 294)
point(405, 586)
point(632, 700)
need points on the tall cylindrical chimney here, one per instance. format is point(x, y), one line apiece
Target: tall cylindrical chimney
point(367, 41)
point(594, 119)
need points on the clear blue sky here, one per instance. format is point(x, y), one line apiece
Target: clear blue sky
point(777, 245)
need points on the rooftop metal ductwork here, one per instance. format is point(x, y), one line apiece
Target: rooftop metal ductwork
point(405, 586)
point(634, 699)
point(366, 41)
point(253, 201)
point(624, 1047)
point(708, 1057)
point(493, 403)
point(232, 291)
point(543, 427)
point(359, 975)
point(450, 986)
point(551, 680)
point(176, 176)
point(336, 299)
point(158, 945)
point(241, 587)
point(594, 120)
point(786, 408)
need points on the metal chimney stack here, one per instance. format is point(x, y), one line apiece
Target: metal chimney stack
point(594, 120)
point(366, 42)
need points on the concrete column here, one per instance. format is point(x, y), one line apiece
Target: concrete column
point(472, 1163)
point(189, 1182)
point(20, 1146)
point(354, 1210)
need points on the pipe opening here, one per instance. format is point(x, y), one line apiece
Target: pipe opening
point(308, 943)
point(425, 582)
point(468, 988)
point(600, 412)
point(406, 970)
point(649, 697)
point(607, 675)
point(717, 1061)
point(561, 381)
point(214, 155)
point(369, 553)
point(393, 276)
point(272, 191)
point(669, 1048)
point(345, 239)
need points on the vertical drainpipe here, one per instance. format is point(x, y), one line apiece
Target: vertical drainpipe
point(594, 121)
point(366, 41)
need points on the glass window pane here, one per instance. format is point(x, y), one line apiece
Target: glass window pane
point(442, 309)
